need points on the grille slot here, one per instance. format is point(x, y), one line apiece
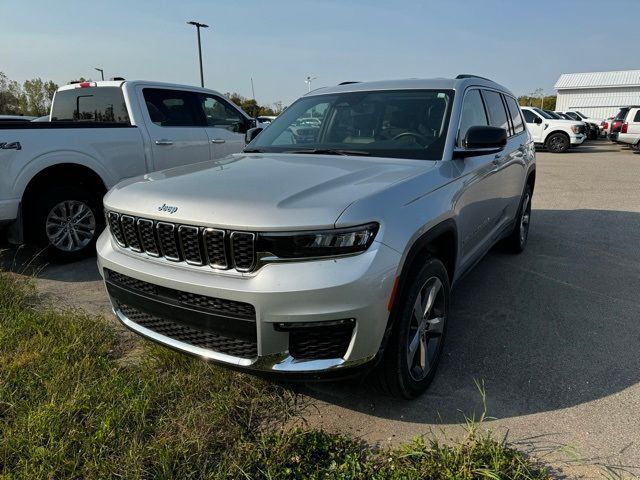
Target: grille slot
point(148, 237)
point(242, 248)
point(116, 229)
point(130, 232)
point(168, 243)
point(131, 283)
point(183, 333)
point(214, 248)
point(190, 244)
point(194, 245)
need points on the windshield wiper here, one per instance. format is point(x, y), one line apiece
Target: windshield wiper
point(329, 151)
point(252, 150)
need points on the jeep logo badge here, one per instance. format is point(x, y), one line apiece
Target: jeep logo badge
point(167, 208)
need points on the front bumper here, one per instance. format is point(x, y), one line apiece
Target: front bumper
point(577, 139)
point(285, 296)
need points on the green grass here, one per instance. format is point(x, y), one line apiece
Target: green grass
point(72, 407)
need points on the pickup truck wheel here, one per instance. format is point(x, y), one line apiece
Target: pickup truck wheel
point(67, 221)
point(517, 239)
point(415, 346)
point(557, 143)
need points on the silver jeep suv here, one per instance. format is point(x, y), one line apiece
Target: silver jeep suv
point(330, 246)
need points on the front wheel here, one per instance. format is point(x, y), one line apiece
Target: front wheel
point(557, 143)
point(415, 345)
point(66, 222)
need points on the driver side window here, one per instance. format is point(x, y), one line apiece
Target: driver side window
point(473, 114)
point(221, 115)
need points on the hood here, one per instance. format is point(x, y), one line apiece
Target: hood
point(261, 191)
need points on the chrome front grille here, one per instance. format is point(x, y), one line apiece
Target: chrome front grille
point(194, 245)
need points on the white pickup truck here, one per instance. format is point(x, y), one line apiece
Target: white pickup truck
point(557, 136)
point(54, 174)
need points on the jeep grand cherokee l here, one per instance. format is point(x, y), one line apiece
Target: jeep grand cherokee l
point(330, 246)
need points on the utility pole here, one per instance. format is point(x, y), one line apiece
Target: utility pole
point(253, 92)
point(308, 82)
point(101, 72)
point(198, 27)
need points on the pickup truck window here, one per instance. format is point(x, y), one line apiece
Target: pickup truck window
point(495, 107)
point(93, 104)
point(473, 114)
point(399, 124)
point(516, 117)
point(529, 116)
point(220, 114)
point(172, 108)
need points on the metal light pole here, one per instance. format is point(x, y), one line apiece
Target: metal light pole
point(101, 72)
point(308, 82)
point(198, 27)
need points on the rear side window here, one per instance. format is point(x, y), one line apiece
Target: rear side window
point(516, 117)
point(172, 108)
point(473, 114)
point(636, 119)
point(622, 114)
point(495, 108)
point(93, 104)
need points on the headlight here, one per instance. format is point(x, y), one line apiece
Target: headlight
point(320, 243)
point(575, 128)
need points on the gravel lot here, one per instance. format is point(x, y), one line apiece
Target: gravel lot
point(553, 333)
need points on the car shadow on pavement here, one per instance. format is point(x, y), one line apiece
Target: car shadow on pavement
point(554, 327)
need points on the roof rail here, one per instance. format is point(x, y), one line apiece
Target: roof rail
point(469, 75)
point(349, 82)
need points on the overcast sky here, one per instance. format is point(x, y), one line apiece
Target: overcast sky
point(521, 44)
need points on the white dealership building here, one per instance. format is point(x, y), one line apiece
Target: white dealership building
point(598, 94)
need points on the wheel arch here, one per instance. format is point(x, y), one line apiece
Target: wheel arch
point(553, 132)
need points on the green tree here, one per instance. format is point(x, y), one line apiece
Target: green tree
point(251, 107)
point(11, 96)
point(38, 95)
point(532, 101)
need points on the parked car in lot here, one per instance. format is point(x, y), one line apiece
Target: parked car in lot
point(630, 129)
point(53, 174)
point(592, 123)
point(264, 120)
point(16, 118)
point(605, 126)
point(616, 123)
point(330, 253)
point(555, 135)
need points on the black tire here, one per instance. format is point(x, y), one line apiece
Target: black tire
point(396, 374)
point(75, 210)
point(558, 143)
point(518, 238)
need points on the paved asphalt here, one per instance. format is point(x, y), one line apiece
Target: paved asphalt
point(553, 333)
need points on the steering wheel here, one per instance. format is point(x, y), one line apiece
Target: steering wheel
point(422, 141)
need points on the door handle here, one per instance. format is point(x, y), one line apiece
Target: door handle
point(218, 140)
point(164, 141)
point(10, 146)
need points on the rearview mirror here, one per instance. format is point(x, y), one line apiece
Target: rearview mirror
point(482, 140)
point(537, 120)
point(252, 133)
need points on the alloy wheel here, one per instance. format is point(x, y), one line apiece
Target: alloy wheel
point(70, 225)
point(426, 329)
point(525, 219)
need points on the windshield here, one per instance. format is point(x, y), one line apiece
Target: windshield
point(543, 114)
point(581, 115)
point(553, 115)
point(400, 124)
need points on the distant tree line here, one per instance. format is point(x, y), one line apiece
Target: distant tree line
point(33, 97)
point(252, 108)
point(531, 101)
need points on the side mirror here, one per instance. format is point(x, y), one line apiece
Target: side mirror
point(252, 133)
point(482, 140)
point(537, 120)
